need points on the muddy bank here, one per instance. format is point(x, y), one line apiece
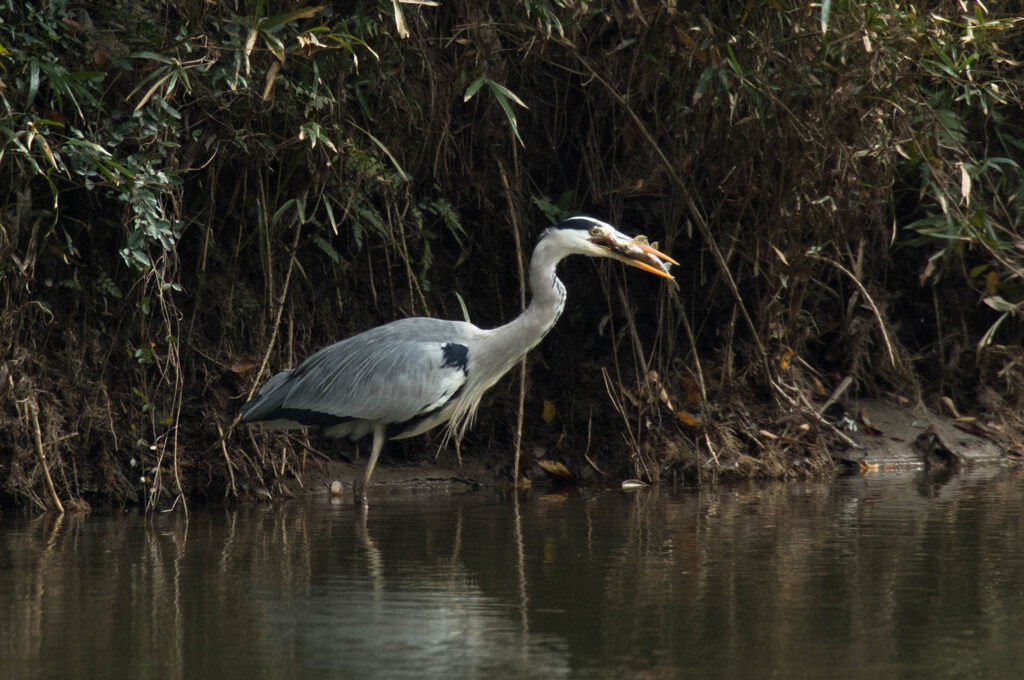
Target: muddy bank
point(880, 436)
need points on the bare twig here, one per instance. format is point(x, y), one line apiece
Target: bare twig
point(864, 292)
point(836, 393)
point(586, 451)
point(839, 433)
point(711, 449)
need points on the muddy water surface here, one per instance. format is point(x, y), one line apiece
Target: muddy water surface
point(869, 577)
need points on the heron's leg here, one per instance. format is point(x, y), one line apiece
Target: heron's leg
point(378, 444)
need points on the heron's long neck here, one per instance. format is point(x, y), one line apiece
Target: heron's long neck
point(519, 336)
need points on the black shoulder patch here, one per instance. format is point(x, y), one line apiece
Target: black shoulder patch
point(455, 356)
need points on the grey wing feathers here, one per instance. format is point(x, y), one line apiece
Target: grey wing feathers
point(389, 374)
point(270, 399)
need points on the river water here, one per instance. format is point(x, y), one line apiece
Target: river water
point(900, 576)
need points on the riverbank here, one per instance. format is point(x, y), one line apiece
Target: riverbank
point(880, 437)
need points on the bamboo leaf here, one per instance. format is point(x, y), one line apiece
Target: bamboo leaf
point(498, 87)
point(250, 42)
point(33, 82)
point(152, 55)
point(275, 46)
point(462, 303)
point(400, 27)
point(282, 210)
point(405, 176)
point(156, 86)
point(503, 95)
point(86, 75)
point(473, 88)
point(330, 216)
point(278, 20)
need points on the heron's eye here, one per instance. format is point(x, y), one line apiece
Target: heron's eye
point(595, 231)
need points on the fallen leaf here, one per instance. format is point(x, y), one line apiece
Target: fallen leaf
point(866, 467)
point(693, 393)
point(869, 427)
point(819, 389)
point(652, 378)
point(242, 365)
point(784, 358)
point(949, 407)
point(991, 282)
point(686, 419)
point(554, 467)
point(778, 253)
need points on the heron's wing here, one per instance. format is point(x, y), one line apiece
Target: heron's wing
point(390, 374)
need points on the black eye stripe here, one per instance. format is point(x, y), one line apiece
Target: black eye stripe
point(581, 223)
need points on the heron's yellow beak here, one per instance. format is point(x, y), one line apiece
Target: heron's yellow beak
point(635, 252)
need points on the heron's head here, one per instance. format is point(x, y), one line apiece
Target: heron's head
point(587, 236)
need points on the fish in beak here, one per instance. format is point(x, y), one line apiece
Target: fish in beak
point(634, 251)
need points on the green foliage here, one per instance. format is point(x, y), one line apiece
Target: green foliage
point(106, 286)
point(546, 15)
point(554, 212)
point(964, 138)
point(443, 210)
point(182, 169)
point(504, 96)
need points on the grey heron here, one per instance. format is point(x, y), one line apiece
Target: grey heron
point(408, 376)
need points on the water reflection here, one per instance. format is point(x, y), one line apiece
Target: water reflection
point(866, 577)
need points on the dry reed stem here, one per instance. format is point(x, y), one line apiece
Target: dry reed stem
point(517, 439)
point(634, 445)
point(227, 459)
point(270, 344)
point(702, 225)
point(277, 319)
point(696, 354)
point(37, 438)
